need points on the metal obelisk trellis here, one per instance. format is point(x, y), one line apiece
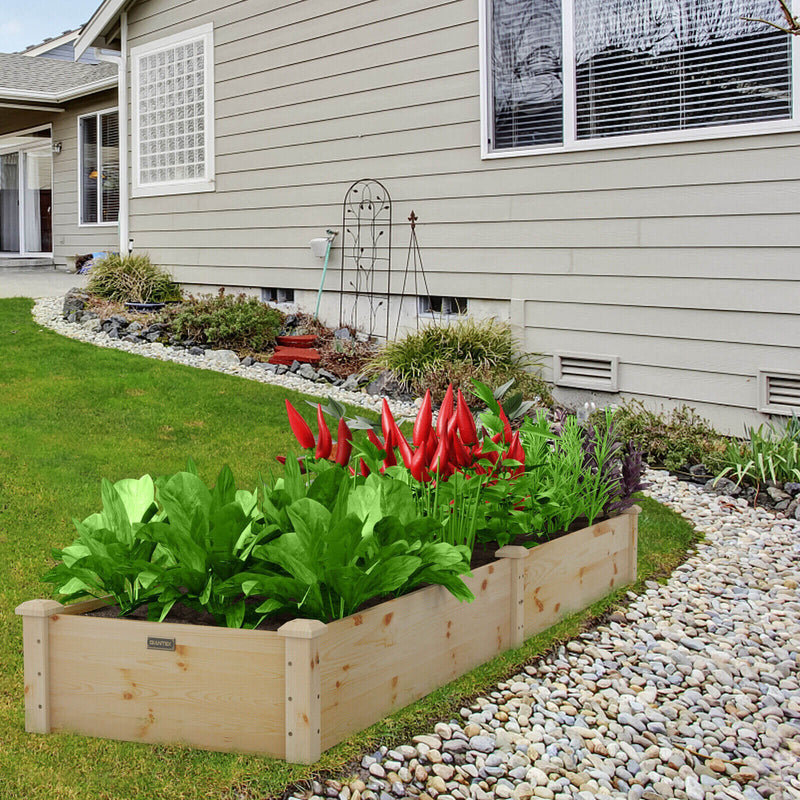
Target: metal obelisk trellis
point(413, 262)
point(366, 255)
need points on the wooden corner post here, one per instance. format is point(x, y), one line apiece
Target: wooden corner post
point(36, 645)
point(633, 515)
point(516, 556)
point(302, 689)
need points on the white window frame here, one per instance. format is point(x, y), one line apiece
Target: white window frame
point(571, 142)
point(207, 184)
point(121, 143)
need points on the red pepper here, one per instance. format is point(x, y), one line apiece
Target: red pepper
point(418, 462)
point(362, 465)
point(391, 431)
point(391, 458)
point(300, 427)
point(445, 411)
point(423, 422)
point(405, 450)
point(344, 444)
point(516, 453)
point(466, 422)
point(375, 440)
point(430, 446)
point(441, 461)
point(461, 454)
point(324, 443)
point(506, 426)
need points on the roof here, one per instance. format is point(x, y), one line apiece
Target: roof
point(54, 41)
point(99, 24)
point(51, 81)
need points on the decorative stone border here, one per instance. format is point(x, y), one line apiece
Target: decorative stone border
point(48, 312)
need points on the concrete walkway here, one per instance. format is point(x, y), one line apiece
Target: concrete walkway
point(37, 282)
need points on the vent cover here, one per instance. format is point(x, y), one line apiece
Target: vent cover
point(779, 392)
point(586, 371)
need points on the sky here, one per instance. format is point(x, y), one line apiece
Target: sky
point(26, 22)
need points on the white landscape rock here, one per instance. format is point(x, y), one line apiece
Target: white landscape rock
point(47, 312)
point(691, 692)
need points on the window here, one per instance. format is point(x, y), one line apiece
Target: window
point(444, 306)
point(572, 73)
point(98, 164)
point(173, 114)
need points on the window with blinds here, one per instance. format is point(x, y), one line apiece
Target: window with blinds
point(173, 105)
point(634, 67)
point(98, 136)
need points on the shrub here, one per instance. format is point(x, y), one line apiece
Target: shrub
point(459, 353)
point(233, 322)
point(132, 279)
point(671, 439)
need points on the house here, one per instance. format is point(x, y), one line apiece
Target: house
point(618, 178)
point(53, 113)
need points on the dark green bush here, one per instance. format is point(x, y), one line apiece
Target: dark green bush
point(132, 279)
point(233, 322)
point(670, 439)
point(458, 353)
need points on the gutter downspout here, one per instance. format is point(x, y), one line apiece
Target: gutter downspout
point(122, 111)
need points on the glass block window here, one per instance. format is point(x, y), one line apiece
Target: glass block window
point(563, 73)
point(173, 114)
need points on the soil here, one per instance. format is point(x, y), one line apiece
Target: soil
point(183, 615)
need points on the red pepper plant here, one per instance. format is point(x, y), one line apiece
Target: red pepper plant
point(484, 482)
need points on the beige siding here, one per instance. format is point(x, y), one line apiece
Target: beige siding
point(680, 258)
point(70, 238)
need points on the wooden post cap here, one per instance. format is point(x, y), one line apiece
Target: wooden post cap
point(636, 510)
point(302, 629)
point(38, 608)
point(512, 551)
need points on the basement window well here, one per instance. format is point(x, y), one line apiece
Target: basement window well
point(274, 295)
point(440, 305)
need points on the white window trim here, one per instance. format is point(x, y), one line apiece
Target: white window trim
point(96, 115)
point(207, 184)
point(571, 143)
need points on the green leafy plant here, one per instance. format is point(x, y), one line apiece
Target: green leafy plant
point(319, 544)
point(234, 322)
point(672, 439)
point(350, 541)
point(457, 353)
point(769, 453)
point(132, 279)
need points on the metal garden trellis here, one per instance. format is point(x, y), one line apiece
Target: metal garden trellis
point(366, 252)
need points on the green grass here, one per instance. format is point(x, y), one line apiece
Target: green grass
point(71, 414)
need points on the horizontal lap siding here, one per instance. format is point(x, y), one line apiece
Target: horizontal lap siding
point(678, 258)
point(70, 238)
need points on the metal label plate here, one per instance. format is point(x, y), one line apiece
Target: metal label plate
point(160, 643)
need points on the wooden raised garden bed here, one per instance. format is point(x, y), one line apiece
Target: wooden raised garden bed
point(297, 691)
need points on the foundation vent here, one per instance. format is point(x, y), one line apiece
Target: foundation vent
point(586, 371)
point(779, 392)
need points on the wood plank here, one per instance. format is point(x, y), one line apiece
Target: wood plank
point(395, 653)
point(568, 574)
point(107, 683)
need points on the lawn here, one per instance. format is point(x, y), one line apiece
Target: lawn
point(70, 414)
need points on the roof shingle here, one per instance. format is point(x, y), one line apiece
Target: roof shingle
point(48, 78)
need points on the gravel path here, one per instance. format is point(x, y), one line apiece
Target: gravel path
point(47, 312)
point(692, 692)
